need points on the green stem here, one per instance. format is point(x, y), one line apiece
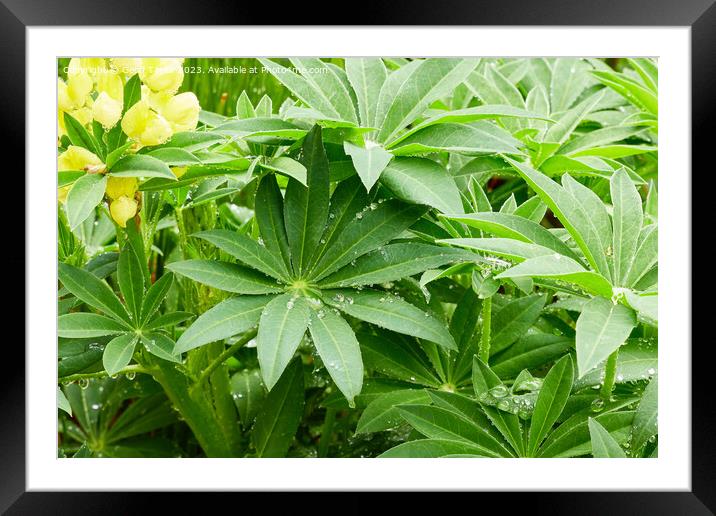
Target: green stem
point(102, 374)
point(610, 375)
point(226, 354)
point(326, 432)
point(484, 352)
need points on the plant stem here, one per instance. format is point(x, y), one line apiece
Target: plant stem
point(610, 375)
point(226, 354)
point(326, 432)
point(484, 352)
point(102, 374)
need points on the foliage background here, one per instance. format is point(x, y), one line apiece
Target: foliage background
point(136, 416)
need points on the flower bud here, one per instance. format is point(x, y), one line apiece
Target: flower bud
point(79, 84)
point(121, 186)
point(145, 126)
point(106, 110)
point(76, 158)
point(127, 65)
point(122, 210)
point(182, 112)
point(111, 83)
point(62, 193)
point(162, 74)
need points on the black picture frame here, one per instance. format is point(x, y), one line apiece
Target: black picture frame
point(17, 15)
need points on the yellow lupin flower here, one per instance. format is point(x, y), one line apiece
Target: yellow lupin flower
point(106, 110)
point(79, 84)
point(95, 67)
point(123, 209)
point(182, 111)
point(162, 74)
point(62, 193)
point(121, 186)
point(77, 158)
point(145, 126)
point(111, 83)
point(127, 65)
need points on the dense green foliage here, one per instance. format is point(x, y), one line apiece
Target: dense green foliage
point(376, 257)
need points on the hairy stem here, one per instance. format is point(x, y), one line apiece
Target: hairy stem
point(484, 352)
point(226, 354)
point(610, 375)
point(102, 374)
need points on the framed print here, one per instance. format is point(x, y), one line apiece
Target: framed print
point(417, 256)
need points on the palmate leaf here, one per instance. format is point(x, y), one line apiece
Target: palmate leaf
point(118, 352)
point(515, 250)
point(433, 448)
point(167, 319)
point(603, 444)
point(508, 424)
point(645, 418)
point(550, 402)
point(331, 83)
point(79, 136)
point(569, 78)
point(247, 251)
point(572, 438)
point(472, 114)
point(130, 276)
point(598, 138)
point(637, 361)
point(230, 317)
point(280, 414)
point(422, 181)
point(627, 219)
point(508, 225)
point(248, 393)
point(560, 267)
point(287, 167)
point(226, 276)
point(397, 357)
point(314, 91)
point(93, 291)
point(392, 313)
point(306, 208)
point(529, 352)
point(160, 346)
point(366, 75)
point(580, 211)
point(141, 165)
point(268, 206)
point(392, 262)
point(602, 328)
point(86, 325)
point(407, 92)
point(473, 138)
point(339, 350)
point(369, 161)
point(382, 413)
point(440, 423)
point(283, 322)
point(155, 296)
point(347, 200)
point(84, 196)
point(479, 415)
point(367, 230)
point(513, 319)
point(646, 256)
point(639, 95)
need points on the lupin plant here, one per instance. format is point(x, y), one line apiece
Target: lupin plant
point(358, 257)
